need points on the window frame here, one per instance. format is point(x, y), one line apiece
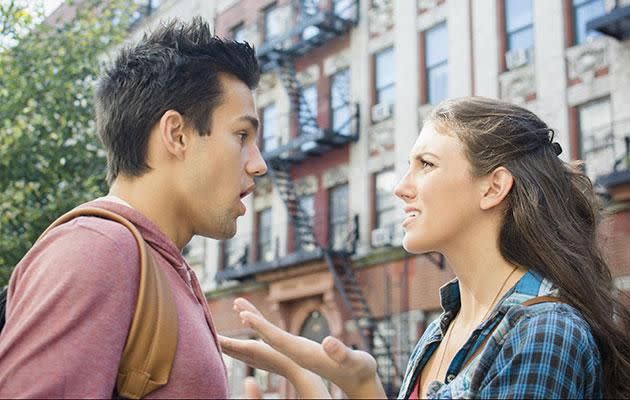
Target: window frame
point(268, 123)
point(429, 67)
point(389, 85)
point(507, 33)
point(267, 18)
point(337, 220)
point(377, 210)
point(575, 27)
point(263, 241)
point(336, 113)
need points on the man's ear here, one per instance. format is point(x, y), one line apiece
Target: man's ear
point(496, 187)
point(173, 133)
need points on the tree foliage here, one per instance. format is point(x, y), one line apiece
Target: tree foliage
point(50, 157)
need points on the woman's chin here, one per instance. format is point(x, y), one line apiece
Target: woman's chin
point(416, 245)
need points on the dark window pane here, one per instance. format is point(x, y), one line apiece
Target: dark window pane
point(341, 115)
point(307, 204)
point(345, 8)
point(238, 33)
point(308, 110)
point(338, 216)
point(385, 76)
point(385, 200)
point(436, 45)
point(273, 23)
point(523, 39)
point(269, 128)
point(584, 12)
point(265, 252)
point(437, 83)
point(518, 14)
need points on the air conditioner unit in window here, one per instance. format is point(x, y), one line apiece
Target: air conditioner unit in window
point(381, 111)
point(381, 237)
point(518, 58)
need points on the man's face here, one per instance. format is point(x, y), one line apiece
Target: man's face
point(220, 168)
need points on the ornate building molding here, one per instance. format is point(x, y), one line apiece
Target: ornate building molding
point(306, 186)
point(380, 16)
point(335, 176)
point(381, 137)
point(336, 62)
point(517, 85)
point(585, 60)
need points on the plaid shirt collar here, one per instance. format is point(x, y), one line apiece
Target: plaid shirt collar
point(530, 285)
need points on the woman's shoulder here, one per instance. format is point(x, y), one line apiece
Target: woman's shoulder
point(555, 327)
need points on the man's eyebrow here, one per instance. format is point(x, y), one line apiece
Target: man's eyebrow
point(253, 121)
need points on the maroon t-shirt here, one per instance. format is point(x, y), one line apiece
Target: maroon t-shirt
point(70, 303)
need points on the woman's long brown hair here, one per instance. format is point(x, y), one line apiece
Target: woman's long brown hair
point(551, 218)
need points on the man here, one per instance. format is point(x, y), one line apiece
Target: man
point(177, 117)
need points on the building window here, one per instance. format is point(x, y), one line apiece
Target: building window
point(234, 253)
point(436, 61)
point(142, 8)
point(309, 8)
point(263, 240)
point(385, 76)
point(273, 22)
point(519, 26)
point(345, 9)
point(270, 139)
point(238, 33)
point(338, 216)
point(596, 137)
point(308, 110)
point(341, 118)
point(307, 205)
point(584, 11)
point(385, 203)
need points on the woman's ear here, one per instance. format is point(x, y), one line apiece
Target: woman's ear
point(496, 187)
point(173, 133)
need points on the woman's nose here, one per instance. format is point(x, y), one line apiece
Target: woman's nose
point(404, 190)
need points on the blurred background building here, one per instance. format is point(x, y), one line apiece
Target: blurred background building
point(345, 87)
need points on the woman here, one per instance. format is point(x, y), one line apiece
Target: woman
point(530, 314)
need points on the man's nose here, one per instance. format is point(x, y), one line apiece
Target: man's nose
point(257, 165)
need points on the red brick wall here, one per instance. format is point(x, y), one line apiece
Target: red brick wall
point(615, 242)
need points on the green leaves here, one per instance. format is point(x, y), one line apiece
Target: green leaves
point(50, 157)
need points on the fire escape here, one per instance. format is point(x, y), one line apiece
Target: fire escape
point(315, 27)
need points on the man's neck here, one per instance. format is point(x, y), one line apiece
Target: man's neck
point(148, 196)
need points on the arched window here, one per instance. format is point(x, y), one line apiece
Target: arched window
point(315, 327)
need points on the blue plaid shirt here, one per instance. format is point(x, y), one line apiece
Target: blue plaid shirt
point(544, 350)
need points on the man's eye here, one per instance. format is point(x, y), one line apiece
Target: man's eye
point(243, 136)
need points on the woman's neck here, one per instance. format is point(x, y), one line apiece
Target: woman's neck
point(484, 277)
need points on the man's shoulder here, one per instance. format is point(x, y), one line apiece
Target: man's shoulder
point(85, 248)
point(93, 234)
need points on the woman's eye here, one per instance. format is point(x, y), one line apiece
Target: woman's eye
point(426, 164)
point(243, 136)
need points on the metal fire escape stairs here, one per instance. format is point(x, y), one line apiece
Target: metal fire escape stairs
point(313, 141)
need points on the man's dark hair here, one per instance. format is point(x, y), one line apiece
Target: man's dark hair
point(176, 67)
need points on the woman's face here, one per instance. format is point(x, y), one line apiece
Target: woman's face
point(440, 194)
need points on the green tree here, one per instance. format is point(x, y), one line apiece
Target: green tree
point(50, 157)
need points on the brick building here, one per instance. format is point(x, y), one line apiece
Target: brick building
point(346, 84)
point(345, 87)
